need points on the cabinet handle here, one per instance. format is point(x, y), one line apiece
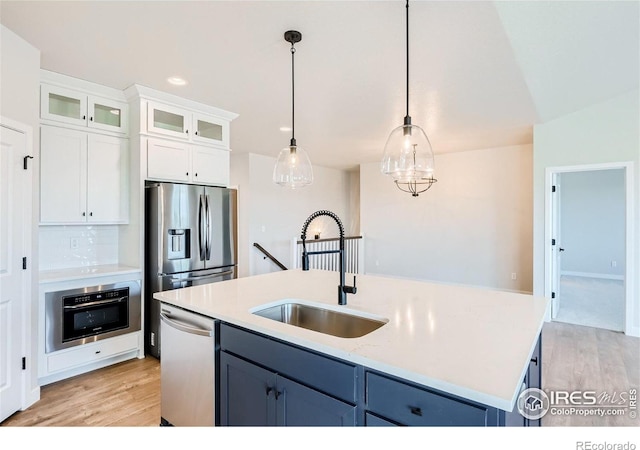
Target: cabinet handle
point(186, 131)
point(196, 173)
point(535, 360)
point(196, 133)
point(84, 117)
point(91, 118)
point(98, 352)
point(187, 173)
point(269, 390)
point(415, 410)
point(277, 394)
point(84, 214)
point(91, 214)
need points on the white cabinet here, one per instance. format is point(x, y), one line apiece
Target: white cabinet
point(75, 107)
point(210, 165)
point(187, 163)
point(83, 177)
point(184, 124)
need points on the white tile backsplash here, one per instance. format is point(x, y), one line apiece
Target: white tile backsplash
point(65, 247)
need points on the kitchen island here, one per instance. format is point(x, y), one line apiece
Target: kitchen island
point(445, 345)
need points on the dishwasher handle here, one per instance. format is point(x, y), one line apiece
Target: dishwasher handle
point(186, 328)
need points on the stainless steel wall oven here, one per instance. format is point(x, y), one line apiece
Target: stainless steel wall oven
point(79, 316)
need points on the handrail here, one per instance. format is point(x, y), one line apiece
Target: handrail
point(269, 255)
point(346, 238)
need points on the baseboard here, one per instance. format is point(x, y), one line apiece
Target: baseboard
point(31, 397)
point(634, 331)
point(603, 276)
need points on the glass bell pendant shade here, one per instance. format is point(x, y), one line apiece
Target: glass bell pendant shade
point(408, 159)
point(293, 168)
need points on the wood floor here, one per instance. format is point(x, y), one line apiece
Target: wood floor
point(128, 394)
point(123, 395)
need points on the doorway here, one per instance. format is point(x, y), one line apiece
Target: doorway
point(589, 215)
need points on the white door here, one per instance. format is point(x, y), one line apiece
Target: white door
point(13, 233)
point(210, 166)
point(63, 175)
point(168, 160)
point(107, 179)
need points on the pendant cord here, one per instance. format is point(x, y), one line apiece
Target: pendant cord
point(293, 103)
point(407, 13)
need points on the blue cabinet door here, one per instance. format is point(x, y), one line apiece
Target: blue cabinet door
point(299, 405)
point(247, 393)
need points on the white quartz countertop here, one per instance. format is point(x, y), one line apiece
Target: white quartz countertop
point(78, 273)
point(472, 342)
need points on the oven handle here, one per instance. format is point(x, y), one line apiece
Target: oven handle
point(182, 327)
point(202, 277)
point(99, 302)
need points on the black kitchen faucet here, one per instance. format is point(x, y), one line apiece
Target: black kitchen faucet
point(343, 290)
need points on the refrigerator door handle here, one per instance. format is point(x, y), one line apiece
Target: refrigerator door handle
point(209, 231)
point(202, 277)
point(201, 229)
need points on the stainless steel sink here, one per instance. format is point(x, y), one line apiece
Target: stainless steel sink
point(322, 320)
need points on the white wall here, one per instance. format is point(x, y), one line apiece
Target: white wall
point(20, 101)
point(592, 221)
point(472, 227)
point(271, 215)
point(607, 132)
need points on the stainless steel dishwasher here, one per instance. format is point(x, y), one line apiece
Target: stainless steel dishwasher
point(187, 368)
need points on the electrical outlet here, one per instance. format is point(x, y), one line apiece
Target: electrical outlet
point(74, 243)
point(514, 276)
point(614, 263)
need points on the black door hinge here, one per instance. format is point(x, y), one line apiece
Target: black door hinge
point(25, 161)
point(553, 188)
point(553, 242)
point(24, 363)
point(24, 263)
point(553, 295)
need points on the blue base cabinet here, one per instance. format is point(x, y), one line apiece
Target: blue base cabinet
point(267, 382)
point(259, 393)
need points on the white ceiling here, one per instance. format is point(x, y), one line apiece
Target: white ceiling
point(482, 73)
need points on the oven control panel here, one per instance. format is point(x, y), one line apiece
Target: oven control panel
point(95, 297)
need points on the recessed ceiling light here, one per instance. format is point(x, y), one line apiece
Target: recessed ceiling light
point(285, 128)
point(177, 81)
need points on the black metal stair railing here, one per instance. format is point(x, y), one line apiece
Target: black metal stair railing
point(269, 255)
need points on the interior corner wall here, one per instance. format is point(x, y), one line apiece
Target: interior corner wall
point(472, 227)
point(20, 101)
point(272, 216)
point(607, 132)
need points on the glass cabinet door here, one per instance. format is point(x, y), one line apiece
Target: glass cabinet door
point(167, 120)
point(107, 114)
point(210, 130)
point(63, 105)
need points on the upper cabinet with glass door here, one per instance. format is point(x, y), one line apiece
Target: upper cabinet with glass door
point(182, 123)
point(78, 108)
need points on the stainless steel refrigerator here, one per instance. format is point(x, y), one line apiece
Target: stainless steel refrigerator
point(190, 239)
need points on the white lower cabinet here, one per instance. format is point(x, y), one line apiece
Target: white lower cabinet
point(90, 353)
point(83, 177)
point(187, 163)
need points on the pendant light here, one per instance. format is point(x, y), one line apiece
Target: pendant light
point(293, 168)
point(408, 156)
